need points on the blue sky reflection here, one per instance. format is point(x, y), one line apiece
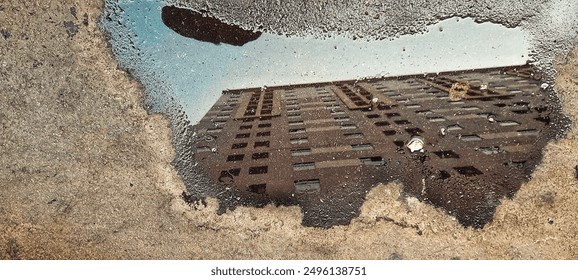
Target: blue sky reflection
point(198, 71)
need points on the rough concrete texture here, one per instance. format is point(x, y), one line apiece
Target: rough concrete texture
point(85, 172)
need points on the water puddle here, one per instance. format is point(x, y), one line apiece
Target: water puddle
point(317, 122)
point(198, 71)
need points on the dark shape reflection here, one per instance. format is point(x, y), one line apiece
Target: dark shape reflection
point(201, 27)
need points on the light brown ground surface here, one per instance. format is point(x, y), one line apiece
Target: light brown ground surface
point(85, 173)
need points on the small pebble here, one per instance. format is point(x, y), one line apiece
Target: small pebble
point(443, 131)
point(544, 86)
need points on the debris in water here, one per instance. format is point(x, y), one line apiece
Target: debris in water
point(544, 86)
point(459, 91)
point(416, 144)
point(443, 131)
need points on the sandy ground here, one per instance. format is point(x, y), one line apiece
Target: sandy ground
point(85, 173)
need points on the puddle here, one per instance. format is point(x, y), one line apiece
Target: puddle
point(461, 154)
point(273, 126)
point(198, 71)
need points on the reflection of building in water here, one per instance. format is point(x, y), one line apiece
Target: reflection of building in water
point(287, 140)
